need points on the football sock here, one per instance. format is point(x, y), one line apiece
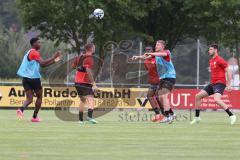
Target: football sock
point(90, 113)
point(229, 112)
point(197, 114)
point(36, 112)
point(22, 109)
point(167, 113)
point(156, 110)
point(80, 116)
point(161, 107)
point(171, 111)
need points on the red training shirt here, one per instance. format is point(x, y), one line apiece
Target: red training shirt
point(34, 55)
point(150, 66)
point(167, 57)
point(82, 76)
point(217, 68)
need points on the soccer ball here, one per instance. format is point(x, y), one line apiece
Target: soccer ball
point(98, 13)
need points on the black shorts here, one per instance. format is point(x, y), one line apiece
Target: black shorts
point(215, 88)
point(84, 89)
point(153, 87)
point(31, 84)
point(167, 83)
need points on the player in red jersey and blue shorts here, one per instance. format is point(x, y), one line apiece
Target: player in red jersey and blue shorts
point(219, 81)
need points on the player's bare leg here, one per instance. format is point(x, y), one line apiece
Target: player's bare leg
point(26, 103)
point(155, 106)
point(81, 108)
point(167, 108)
point(38, 105)
point(200, 95)
point(90, 104)
point(219, 101)
point(163, 97)
point(160, 104)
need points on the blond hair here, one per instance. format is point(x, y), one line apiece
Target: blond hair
point(162, 42)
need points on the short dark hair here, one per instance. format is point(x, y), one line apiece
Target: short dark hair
point(88, 46)
point(149, 48)
point(33, 40)
point(215, 46)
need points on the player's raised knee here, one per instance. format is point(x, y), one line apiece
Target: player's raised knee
point(198, 97)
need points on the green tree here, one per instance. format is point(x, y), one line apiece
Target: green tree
point(69, 22)
point(13, 46)
point(9, 13)
point(223, 24)
point(171, 20)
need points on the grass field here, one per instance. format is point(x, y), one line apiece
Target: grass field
point(117, 138)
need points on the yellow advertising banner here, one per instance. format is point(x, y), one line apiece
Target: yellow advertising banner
point(14, 96)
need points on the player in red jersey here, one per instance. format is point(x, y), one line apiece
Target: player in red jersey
point(153, 79)
point(84, 81)
point(219, 81)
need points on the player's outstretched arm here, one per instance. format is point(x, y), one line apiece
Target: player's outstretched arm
point(47, 62)
point(159, 54)
point(143, 57)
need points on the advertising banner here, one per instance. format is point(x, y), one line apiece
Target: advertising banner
point(14, 96)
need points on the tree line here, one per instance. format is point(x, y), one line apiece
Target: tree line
point(68, 22)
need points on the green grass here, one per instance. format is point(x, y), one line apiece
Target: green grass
point(115, 138)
